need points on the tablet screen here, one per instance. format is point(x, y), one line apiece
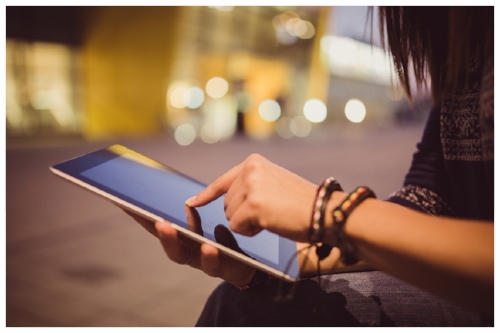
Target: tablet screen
point(162, 191)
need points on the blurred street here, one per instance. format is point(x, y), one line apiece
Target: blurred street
point(74, 259)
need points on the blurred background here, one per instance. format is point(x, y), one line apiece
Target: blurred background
point(195, 73)
point(198, 88)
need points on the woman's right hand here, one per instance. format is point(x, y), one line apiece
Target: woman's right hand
point(205, 257)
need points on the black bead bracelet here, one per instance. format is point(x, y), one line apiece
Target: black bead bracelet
point(340, 215)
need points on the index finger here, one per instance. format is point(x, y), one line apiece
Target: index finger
point(213, 191)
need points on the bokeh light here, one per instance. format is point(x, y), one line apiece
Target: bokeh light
point(176, 93)
point(283, 37)
point(288, 26)
point(185, 134)
point(300, 126)
point(355, 110)
point(193, 97)
point(295, 26)
point(269, 110)
point(309, 32)
point(216, 87)
point(222, 113)
point(349, 58)
point(283, 127)
point(287, 15)
point(209, 133)
point(315, 110)
point(176, 98)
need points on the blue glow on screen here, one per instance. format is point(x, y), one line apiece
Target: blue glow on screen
point(164, 191)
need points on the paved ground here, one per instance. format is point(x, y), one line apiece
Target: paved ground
point(73, 259)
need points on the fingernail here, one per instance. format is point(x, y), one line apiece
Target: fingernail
point(158, 230)
point(190, 201)
point(159, 227)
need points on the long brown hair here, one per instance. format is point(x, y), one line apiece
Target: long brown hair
point(435, 41)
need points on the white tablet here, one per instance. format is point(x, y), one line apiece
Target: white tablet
point(158, 192)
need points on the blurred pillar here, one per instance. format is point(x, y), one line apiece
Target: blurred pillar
point(127, 54)
point(267, 80)
point(319, 76)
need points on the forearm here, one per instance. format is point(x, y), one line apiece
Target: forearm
point(448, 257)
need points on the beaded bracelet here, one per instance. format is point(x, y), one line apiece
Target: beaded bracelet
point(316, 229)
point(340, 215)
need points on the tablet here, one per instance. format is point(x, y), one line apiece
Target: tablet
point(158, 192)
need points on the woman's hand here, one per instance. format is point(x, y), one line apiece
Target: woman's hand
point(205, 257)
point(262, 195)
point(210, 260)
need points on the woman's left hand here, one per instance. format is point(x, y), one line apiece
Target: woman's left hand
point(205, 257)
point(262, 195)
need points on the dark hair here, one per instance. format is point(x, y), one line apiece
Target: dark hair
point(435, 41)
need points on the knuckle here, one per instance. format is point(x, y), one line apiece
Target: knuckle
point(226, 211)
point(255, 157)
point(263, 224)
point(249, 181)
point(254, 231)
point(236, 227)
point(253, 162)
point(242, 228)
point(228, 216)
point(253, 202)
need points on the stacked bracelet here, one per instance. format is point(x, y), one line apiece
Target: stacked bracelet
point(316, 229)
point(340, 215)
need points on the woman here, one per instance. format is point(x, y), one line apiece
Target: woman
point(431, 243)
